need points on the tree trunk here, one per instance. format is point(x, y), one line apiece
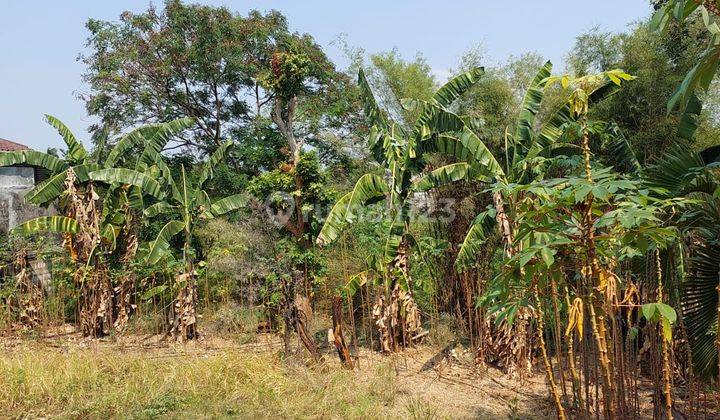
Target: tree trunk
point(398, 318)
point(95, 302)
point(126, 284)
point(30, 294)
point(503, 223)
point(96, 317)
point(337, 333)
point(184, 325)
point(301, 307)
point(510, 343)
point(283, 119)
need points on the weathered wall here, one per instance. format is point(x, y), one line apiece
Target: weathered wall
point(15, 182)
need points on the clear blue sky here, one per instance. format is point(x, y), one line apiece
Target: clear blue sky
point(40, 41)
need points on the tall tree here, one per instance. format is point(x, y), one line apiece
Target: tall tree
point(203, 62)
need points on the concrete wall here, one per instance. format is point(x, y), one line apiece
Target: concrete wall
point(15, 182)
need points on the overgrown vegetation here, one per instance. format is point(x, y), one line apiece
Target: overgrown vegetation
point(562, 224)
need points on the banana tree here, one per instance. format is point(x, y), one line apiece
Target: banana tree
point(92, 238)
point(399, 148)
point(187, 206)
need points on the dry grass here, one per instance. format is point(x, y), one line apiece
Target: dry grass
point(107, 383)
point(64, 376)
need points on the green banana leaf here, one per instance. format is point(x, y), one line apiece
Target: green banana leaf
point(368, 189)
point(226, 205)
point(373, 113)
point(161, 207)
point(129, 177)
point(531, 105)
point(33, 158)
point(447, 174)
point(76, 151)
point(215, 159)
point(60, 224)
point(457, 86)
point(481, 229)
point(161, 244)
point(53, 187)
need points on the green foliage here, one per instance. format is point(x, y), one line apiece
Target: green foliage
point(396, 78)
point(659, 61)
point(58, 224)
point(703, 72)
point(276, 187)
point(31, 157)
point(628, 223)
point(527, 154)
point(225, 77)
point(662, 314)
point(289, 73)
point(690, 174)
point(76, 152)
point(369, 189)
point(129, 177)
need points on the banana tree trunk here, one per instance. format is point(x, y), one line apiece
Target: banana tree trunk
point(96, 315)
point(92, 275)
point(337, 336)
point(126, 284)
point(184, 323)
point(510, 343)
point(30, 293)
point(123, 305)
point(503, 223)
point(184, 326)
point(397, 316)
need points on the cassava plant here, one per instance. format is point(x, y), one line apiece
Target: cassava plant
point(528, 147)
point(553, 256)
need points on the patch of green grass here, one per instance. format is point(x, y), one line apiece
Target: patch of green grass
point(109, 383)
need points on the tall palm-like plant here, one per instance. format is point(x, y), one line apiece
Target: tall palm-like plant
point(91, 228)
point(696, 175)
point(187, 206)
point(399, 149)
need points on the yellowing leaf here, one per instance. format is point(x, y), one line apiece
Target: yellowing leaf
point(576, 318)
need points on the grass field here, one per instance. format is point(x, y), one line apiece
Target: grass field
point(76, 378)
point(110, 383)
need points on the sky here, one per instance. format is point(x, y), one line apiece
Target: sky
point(40, 41)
